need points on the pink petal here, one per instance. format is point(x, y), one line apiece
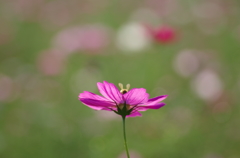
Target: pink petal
point(90, 95)
point(110, 91)
point(144, 108)
point(134, 114)
point(95, 101)
point(156, 100)
point(136, 96)
point(97, 104)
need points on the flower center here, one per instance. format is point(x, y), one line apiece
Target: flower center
point(122, 105)
point(122, 90)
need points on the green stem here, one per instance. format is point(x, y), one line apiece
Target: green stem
point(124, 135)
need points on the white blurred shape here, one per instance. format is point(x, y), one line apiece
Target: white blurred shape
point(207, 85)
point(132, 37)
point(186, 63)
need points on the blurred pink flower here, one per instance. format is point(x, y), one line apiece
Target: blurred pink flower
point(91, 38)
point(187, 62)
point(163, 34)
point(51, 62)
point(6, 87)
point(208, 85)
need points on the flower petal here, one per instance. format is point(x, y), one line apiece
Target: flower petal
point(96, 104)
point(156, 100)
point(144, 108)
point(90, 95)
point(136, 96)
point(95, 101)
point(110, 91)
point(134, 114)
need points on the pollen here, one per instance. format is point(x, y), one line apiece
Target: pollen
point(123, 91)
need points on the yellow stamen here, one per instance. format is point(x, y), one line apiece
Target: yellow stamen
point(123, 91)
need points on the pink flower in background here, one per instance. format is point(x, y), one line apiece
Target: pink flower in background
point(91, 38)
point(163, 34)
point(51, 62)
point(6, 88)
point(208, 85)
point(124, 102)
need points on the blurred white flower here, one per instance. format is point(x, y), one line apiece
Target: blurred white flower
point(132, 37)
point(207, 85)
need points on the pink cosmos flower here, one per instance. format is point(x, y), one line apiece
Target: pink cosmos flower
point(124, 102)
point(163, 34)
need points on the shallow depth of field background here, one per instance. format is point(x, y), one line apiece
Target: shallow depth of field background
point(52, 50)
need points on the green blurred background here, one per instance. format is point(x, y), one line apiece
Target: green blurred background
point(52, 50)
